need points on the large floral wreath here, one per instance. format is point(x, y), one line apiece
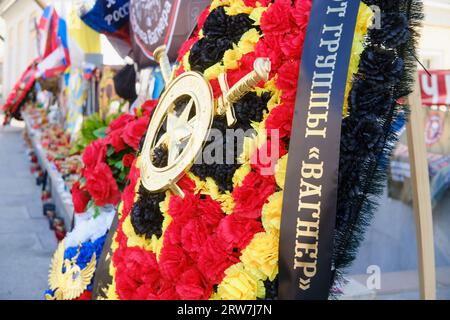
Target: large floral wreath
point(221, 240)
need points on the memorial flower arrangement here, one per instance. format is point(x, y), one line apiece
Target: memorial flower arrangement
point(79, 247)
point(220, 241)
point(107, 161)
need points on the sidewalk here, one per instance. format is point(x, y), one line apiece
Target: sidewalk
point(26, 243)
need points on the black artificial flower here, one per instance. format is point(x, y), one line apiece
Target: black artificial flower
point(362, 136)
point(394, 30)
point(220, 31)
point(366, 97)
point(146, 216)
point(271, 289)
point(380, 66)
point(249, 108)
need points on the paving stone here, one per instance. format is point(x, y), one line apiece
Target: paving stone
point(11, 213)
point(26, 242)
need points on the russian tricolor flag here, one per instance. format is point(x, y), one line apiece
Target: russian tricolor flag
point(54, 45)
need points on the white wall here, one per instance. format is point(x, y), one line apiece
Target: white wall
point(435, 41)
point(19, 47)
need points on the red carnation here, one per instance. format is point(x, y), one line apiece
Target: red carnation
point(245, 67)
point(80, 198)
point(180, 70)
point(288, 78)
point(213, 260)
point(186, 47)
point(248, 202)
point(217, 92)
point(86, 295)
point(148, 107)
point(183, 208)
point(280, 119)
point(134, 131)
point(114, 138)
point(210, 211)
point(276, 20)
point(193, 236)
point(101, 185)
point(202, 18)
point(172, 236)
point(127, 160)
point(291, 45)
point(120, 122)
point(172, 261)
point(192, 286)
point(300, 13)
point(252, 3)
point(130, 190)
point(235, 232)
point(269, 47)
point(94, 153)
point(266, 157)
point(186, 184)
point(137, 273)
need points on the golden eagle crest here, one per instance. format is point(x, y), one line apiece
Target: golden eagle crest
point(71, 283)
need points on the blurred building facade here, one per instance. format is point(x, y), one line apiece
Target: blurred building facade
point(434, 46)
point(17, 27)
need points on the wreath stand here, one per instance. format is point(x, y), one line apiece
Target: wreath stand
point(421, 196)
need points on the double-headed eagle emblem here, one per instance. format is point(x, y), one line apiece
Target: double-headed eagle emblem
point(66, 278)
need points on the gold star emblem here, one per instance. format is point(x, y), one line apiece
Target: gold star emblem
point(183, 132)
point(179, 130)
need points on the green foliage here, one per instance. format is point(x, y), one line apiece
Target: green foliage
point(94, 127)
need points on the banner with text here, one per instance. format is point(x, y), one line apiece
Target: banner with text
point(435, 88)
point(161, 22)
point(310, 194)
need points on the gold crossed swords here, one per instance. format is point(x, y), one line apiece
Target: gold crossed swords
point(261, 70)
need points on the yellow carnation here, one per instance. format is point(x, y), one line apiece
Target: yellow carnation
point(240, 174)
point(256, 15)
point(226, 202)
point(365, 16)
point(280, 171)
point(248, 41)
point(214, 71)
point(231, 58)
point(218, 3)
point(239, 284)
point(186, 64)
point(271, 212)
point(237, 7)
point(260, 257)
point(134, 240)
point(199, 183)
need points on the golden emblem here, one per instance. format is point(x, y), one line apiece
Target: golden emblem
point(71, 283)
point(182, 131)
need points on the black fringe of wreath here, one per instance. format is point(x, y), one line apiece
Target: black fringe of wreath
point(362, 179)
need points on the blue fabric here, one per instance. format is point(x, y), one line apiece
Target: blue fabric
point(106, 17)
point(159, 84)
point(86, 251)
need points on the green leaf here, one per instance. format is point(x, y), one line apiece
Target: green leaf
point(90, 204)
point(119, 165)
point(96, 212)
point(110, 151)
point(100, 133)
